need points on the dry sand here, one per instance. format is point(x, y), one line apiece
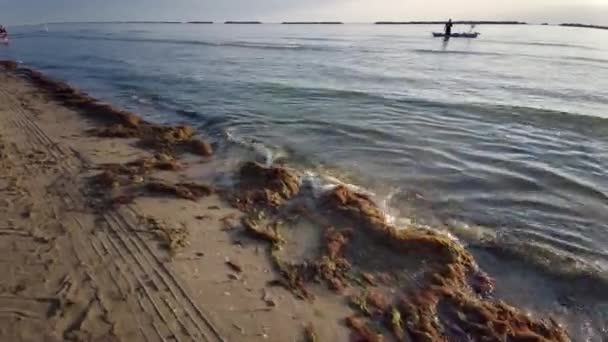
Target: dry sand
point(71, 271)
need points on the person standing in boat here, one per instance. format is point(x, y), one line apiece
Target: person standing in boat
point(448, 28)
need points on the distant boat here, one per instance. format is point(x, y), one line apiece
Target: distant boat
point(457, 35)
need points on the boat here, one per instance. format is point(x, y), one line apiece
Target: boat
point(457, 35)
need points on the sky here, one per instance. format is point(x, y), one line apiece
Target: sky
point(553, 11)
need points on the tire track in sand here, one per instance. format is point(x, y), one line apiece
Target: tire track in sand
point(176, 316)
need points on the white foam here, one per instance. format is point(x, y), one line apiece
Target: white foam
point(259, 148)
point(472, 232)
point(139, 99)
point(384, 205)
point(322, 183)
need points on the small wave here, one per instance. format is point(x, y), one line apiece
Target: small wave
point(258, 147)
point(94, 58)
point(554, 262)
point(564, 263)
point(315, 92)
point(586, 59)
point(457, 52)
point(321, 182)
point(558, 45)
point(570, 94)
point(566, 243)
point(386, 207)
point(547, 44)
point(565, 181)
point(190, 114)
point(471, 233)
point(317, 39)
point(277, 46)
point(491, 111)
point(140, 100)
point(548, 259)
point(138, 31)
point(237, 44)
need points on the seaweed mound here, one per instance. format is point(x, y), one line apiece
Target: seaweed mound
point(189, 191)
point(8, 65)
point(199, 147)
point(120, 184)
point(443, 314)
point(355, 206)
point(165, 139)
point(120, 123)
point(451, 304)
point(144, 166)
point(360, 210)
point(261, 186)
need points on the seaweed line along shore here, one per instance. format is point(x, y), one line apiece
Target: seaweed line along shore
point(114, 235)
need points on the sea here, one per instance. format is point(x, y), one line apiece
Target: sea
point(500, 141)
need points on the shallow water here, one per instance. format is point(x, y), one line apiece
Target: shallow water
point(502, 140)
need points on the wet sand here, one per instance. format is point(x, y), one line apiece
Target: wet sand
point(75, 270)
point(113, 233)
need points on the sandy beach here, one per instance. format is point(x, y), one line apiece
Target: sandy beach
point(114, 229)
point(157, 269)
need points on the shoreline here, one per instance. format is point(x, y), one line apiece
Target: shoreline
point(240, 268)
point(161, 258)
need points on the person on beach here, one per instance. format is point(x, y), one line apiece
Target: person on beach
point(3, 35)
point(448, 28)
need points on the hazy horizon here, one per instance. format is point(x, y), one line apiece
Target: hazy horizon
point(552, 11)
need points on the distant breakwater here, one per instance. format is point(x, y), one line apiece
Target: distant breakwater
point(312, 23)
point(243, 22)
point(585, 26)
point(465, 22)
point(252, 22)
